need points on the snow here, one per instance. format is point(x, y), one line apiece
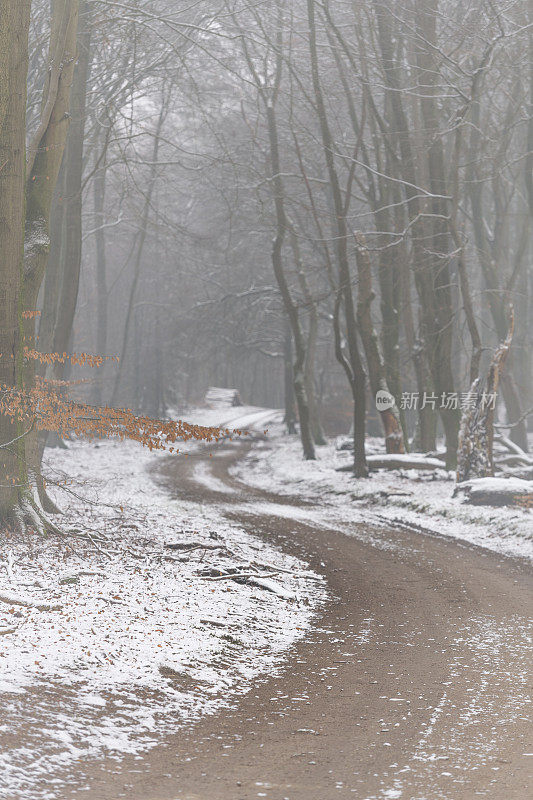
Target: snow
point(516, 486)
point(137, 627)
point(204, 477)
point(141, 641)
point(241, 418)
point(503, 484)
point(410, 498)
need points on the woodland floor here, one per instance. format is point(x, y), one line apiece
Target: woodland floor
point(413, 681)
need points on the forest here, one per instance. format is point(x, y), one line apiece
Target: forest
point(266, 270)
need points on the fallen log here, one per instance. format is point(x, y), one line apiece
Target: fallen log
point(496, 492)
point(398, 461)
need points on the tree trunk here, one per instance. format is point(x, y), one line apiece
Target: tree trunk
point(14, 27)
point(432, 284)
point(376, 367)
point(440, 327)
point(44, 160)
point(310, 351)
point(101, 277)
point(290, 416)
point(314, 413)
point(72, 199)
point(52, 278)
point(476, 438)
point(279, 272)
point(353, 367)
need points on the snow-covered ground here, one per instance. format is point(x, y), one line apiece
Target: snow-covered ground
point(419, 499)
point(131, 639)
point(109, 639)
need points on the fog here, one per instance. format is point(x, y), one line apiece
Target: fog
point(307, 203)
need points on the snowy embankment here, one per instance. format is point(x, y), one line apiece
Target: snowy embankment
point(421, 500)
point(110, 638)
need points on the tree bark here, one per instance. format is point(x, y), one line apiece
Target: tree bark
point(310, 350)
point(290, 307)
point(14, 27)
point(72, 199)
point(432, 283)
point(439, 328)
point(353, 366)
point(290, 415)
point(376, 368)
point(44, 162)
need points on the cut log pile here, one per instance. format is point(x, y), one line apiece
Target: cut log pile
point(218, 397)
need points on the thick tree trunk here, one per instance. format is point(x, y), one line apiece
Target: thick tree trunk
point(44, 161)
point(64, 261)
point(73, 165)
point(14, 27)
point(53, 277)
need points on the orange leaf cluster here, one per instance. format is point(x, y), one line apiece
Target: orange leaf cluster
point(50, 411)
point(56, 382)
point(80, 359)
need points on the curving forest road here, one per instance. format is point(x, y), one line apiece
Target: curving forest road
point(414, 684)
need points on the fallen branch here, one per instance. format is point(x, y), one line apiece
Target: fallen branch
point(304, 575)
point(115, 601)
point(236, 576)
point(505, 425)
point(29, 602)
point(512, 447)
point(270, 586)
point(261, 581)
point(189, 546)
point(514, 458)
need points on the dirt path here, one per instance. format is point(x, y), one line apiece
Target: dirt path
point(414, 685)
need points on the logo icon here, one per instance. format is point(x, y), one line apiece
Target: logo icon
point(384, 400)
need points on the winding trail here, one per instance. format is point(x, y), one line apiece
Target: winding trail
point(414, 684)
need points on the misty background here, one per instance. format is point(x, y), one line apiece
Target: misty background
point(415, 116)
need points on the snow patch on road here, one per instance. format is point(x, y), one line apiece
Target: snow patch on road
point(203, 475)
